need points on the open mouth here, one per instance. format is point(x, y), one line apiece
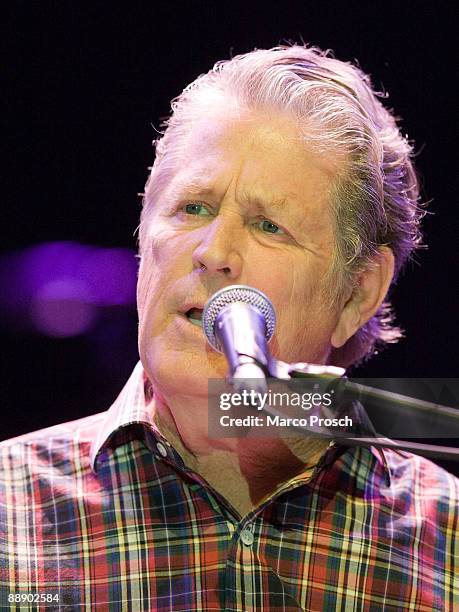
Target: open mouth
point(194, 315)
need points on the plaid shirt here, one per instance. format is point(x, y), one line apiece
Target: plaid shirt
point(102, 514)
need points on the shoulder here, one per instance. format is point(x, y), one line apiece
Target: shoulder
point(81, 427)
point(55, 446)
point(44, 468)
point(424, 486)
point(421, 472)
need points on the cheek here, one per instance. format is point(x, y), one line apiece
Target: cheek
point(166, 259)
point(151, 274)
point(303, 318)
point(287, 279)
point(146, 288)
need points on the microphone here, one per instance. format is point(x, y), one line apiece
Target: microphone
point(239, 321)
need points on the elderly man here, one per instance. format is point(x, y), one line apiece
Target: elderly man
point(281, 170)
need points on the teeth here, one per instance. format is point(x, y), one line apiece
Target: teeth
point(195, 321)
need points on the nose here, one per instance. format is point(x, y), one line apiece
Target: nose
point(219, 250)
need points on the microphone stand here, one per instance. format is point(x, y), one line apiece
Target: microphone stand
point(334, 377)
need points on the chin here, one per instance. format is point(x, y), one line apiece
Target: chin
point(180, 372)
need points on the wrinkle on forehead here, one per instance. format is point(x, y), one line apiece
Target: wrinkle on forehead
point(264, 130)
point(235, 151)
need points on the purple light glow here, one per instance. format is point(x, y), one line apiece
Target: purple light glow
point(59, 309)
point(58, 287)
point(111, 275)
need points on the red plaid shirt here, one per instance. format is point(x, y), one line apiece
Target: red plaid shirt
point(102, 513)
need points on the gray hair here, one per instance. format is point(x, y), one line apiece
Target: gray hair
point(374, 199)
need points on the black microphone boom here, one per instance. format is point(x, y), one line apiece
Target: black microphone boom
point(239, 321)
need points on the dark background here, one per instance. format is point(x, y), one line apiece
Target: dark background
point(85, 83)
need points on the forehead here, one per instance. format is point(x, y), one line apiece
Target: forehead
point(272, 140)
point(259, 155)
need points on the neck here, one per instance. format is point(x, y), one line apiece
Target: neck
point(252, 467)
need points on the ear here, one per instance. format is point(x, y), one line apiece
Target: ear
point(365, 300)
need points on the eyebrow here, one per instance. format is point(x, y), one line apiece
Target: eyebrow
point(264, 205)
point(196, 187)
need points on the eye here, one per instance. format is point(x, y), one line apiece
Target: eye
point(196, 208)
point(269, 227)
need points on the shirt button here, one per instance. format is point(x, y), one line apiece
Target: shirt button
point(247, 537)
point(162, 449)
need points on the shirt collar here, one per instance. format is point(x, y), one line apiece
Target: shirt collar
point(127, 411)
point(128, 418)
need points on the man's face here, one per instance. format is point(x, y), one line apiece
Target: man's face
point(248, 204)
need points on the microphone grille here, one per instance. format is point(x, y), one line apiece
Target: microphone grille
point(230, 295)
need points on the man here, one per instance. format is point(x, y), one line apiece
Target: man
point(281, 170)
